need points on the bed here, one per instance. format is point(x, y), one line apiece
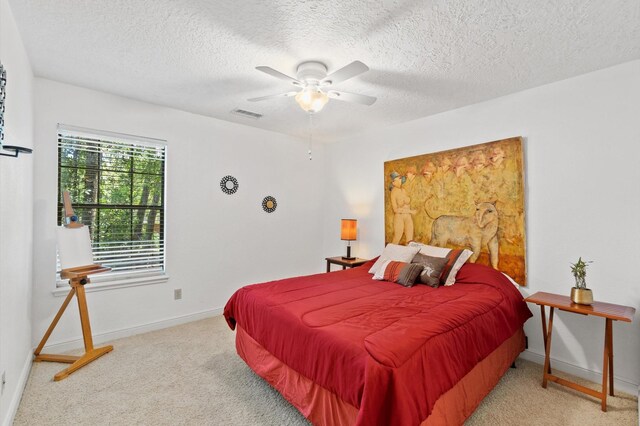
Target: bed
point(347, 350)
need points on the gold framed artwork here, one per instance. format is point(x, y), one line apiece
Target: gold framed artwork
point(471, 197)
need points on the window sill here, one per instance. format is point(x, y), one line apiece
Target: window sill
point(63, 290)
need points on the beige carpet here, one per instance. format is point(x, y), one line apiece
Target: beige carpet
point(191, 375)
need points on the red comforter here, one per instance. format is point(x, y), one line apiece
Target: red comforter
point(388, 350)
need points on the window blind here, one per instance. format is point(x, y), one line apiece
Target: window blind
point(117, 187)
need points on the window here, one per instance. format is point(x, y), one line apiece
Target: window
point(117, 187)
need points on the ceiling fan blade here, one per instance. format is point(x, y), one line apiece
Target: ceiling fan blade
point(351, 97)
point(279, 75)
point(279, 95)
point(345, 73)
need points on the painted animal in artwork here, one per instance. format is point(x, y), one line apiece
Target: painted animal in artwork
point(473, 232)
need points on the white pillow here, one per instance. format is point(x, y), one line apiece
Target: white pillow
point(512, 280)
point(434, 251)
point(394, 252)
point(379, 275)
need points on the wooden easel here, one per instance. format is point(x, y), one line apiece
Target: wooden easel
point(78, 277)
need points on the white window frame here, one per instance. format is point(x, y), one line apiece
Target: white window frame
point(123, 279)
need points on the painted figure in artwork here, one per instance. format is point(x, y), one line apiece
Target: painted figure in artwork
point(497, 157)
point(474, 232)
point(461, 166)
point(410, 180)
point(425, 189)
point(401, 206)
point(481, 175)
point(479, 161)
point(462, 188)
point(444, 176)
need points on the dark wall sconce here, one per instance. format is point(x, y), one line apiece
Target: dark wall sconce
point(13, 151)
point(16, 150)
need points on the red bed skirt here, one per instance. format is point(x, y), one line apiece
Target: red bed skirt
point(323, 407)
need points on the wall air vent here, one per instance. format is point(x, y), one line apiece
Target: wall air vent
point(247, 114)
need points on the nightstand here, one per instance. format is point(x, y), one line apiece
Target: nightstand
point(608, 311)
point(344, 262)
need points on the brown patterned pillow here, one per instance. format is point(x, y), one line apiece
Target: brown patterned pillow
point(432, 268)
point(458, 258)
point(399, 272)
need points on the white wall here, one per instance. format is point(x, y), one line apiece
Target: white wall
point(16, 206)
point(582, 147)
point(215, 242)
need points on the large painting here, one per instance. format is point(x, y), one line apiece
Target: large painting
point(471, 197)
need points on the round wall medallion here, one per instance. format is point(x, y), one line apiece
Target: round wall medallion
point(229, 185)
point(269, 204)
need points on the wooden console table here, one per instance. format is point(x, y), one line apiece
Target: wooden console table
point(609, 311)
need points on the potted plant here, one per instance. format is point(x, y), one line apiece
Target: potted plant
point(580, 293)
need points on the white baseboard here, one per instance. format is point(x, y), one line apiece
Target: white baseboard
point(108, 336)
point(619, 383)
point(17, 394)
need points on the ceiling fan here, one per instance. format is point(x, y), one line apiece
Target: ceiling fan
point(315, 86)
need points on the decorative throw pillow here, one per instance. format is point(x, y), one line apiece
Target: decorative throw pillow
point(455, 259)
point(431, 268)
point(458, 257)
point(402, 273)
point(394, 252)
point(430, 250)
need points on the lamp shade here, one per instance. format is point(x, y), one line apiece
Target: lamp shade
point(349, 229)
point(311, 99)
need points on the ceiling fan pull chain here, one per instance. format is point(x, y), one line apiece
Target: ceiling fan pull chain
point(310, 135)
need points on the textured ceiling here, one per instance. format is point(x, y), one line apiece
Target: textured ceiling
point(425, 56)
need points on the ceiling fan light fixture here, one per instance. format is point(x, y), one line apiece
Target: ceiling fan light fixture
point(311, 99)
point(316, 87)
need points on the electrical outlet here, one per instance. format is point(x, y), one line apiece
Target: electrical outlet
point(177, 294)
point(4, 380)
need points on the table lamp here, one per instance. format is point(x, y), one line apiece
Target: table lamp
point(348, 232)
